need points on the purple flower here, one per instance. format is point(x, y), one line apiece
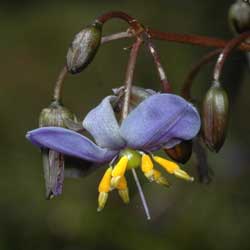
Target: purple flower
point(162, 120)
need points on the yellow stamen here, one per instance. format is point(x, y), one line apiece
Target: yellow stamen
point(173, 168)
point(104, 188)
point(159, 179)
point(119, 171)
point(123, 189)
point(146, 163)
point(147, 167)
point(104, 185)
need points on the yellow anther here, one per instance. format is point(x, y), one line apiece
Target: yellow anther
point(120, 167)
point(184, 175)
point(173, 168)
point(122, 183)
point(169, 166)
point(123, 189)
point(119, 171)
point(147, 167)
point(124, 195)
point(104, 185)
point(159, 179)
point(146, 163)
point(102, 199)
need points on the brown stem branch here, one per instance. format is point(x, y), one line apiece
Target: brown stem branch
point(203, 41)
point(188, 82)
point(129, 76)
point(231, 45)
point(123, 16)
point(125, 109)
point(156, 57)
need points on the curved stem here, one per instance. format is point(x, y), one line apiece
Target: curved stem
point(156, 57)
point(203, 41)
point(59, 84)
point(187, 85)
point(125, 109)
point(123, 16)
point(226, 52)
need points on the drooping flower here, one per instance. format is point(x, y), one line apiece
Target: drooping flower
point(160, 121)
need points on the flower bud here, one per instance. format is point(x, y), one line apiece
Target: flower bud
point(84, 47)
point(239, 16)
point(55, 115)
point(181, 152)
point(215, 117)
point(138, 95)
point(53, 162)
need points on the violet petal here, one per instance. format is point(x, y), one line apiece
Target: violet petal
point(102, 124)
point(162, 119)
point(70, 143)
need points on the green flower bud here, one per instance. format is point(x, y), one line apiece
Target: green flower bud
point(239, 16)
point(215, 117)
point(84, 48)
point(180, 153)
point(56, 115)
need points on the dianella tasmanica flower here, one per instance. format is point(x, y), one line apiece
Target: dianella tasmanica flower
point(55, 115)
point(160, 121)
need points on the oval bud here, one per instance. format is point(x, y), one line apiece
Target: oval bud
point(215, 117)
point(84, 47)
point(55, 115)
point(181, 152)
point(239, 16)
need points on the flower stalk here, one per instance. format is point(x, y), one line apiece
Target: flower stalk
point(128, 86)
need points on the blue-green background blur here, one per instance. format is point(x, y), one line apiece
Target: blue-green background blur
point(34, 40)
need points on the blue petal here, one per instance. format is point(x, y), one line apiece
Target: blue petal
point(102, 124)
point(69, 143)
point(162, 119)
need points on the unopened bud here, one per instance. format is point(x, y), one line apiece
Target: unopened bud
point(55, 115)
point(84, 48)
point(239, 16)
point(181, 152)
point(215, 117)
point(53, 162)
point(137, 96)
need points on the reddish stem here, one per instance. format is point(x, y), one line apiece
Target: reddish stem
point(193, 39)
point(226, 52)
point(123, 16)
point(129, 76)
point(156, 57)
point(187, 85)
point(128, 85)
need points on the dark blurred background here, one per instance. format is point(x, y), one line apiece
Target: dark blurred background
point(34, 40)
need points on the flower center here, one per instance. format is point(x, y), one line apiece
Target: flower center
point(134, 158)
